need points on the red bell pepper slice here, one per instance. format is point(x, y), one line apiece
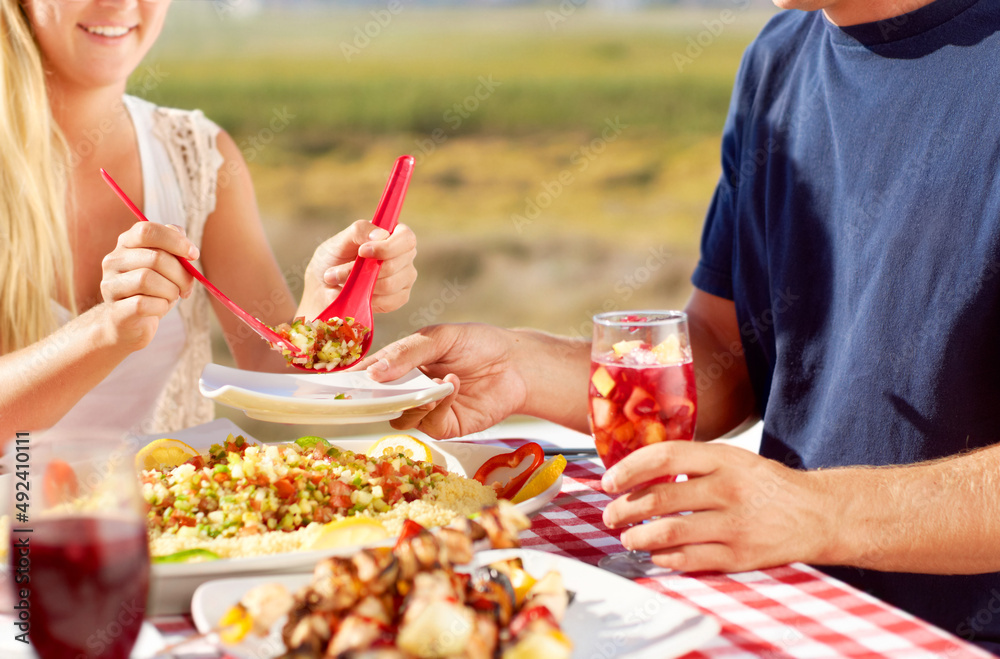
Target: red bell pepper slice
point(509, 461)
point(410, 529)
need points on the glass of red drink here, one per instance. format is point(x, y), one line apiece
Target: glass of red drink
point(642, 391)
point(79, 554)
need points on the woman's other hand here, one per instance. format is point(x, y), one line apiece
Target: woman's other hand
point(333, 259)
point(143, 280)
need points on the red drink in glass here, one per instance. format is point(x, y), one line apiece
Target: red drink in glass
point(89, 579)
point(642, 392)
point(634, 405)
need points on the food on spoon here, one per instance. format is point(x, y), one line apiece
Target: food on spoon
point(409, 601)
point(323, 345)
point(243, 499)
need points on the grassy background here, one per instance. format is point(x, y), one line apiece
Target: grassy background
point(527, 208)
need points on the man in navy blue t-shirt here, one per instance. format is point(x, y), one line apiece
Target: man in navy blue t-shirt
point(847, 294)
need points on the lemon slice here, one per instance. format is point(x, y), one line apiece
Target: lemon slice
point(392, 445)
point(542, 479)
point(164, 454)
point(348, 532)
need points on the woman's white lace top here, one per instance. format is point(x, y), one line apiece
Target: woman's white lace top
point(155, 390)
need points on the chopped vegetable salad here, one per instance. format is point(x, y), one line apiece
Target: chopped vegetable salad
point(242, 489)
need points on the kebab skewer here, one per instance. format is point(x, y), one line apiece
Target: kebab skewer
point(408, 601)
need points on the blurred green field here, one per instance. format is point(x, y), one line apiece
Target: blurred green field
point(562, 168)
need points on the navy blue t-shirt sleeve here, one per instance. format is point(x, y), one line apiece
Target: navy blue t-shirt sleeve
point(714, 272)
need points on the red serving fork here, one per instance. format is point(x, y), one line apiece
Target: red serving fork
point(263, 330)
point(355, 298)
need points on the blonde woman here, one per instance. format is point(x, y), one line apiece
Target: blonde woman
point(99, 324)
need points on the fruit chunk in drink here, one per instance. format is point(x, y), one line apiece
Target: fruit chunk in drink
point(640, 395)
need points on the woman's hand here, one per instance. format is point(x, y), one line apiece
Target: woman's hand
point(143, 280)
point(333, 259)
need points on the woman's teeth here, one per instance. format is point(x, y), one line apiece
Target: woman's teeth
point(108, 30)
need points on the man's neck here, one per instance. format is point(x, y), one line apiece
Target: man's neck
point(856, 12)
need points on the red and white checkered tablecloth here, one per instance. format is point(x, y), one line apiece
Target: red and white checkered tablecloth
point(790, 611)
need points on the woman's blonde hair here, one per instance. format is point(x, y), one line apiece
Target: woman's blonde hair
point(35, 259)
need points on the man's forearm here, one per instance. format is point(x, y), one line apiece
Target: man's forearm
point(725, 397)
point(556, 372)
point(940, 517)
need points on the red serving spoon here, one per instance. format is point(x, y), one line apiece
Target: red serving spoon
point(355, 298)
point(263, 330)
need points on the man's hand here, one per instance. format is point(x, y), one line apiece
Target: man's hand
point(748, 512)
point(475, 358)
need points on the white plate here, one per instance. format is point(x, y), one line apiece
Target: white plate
point(173, 583)
point(310, 398)
point(147, 645)
point(609, 616)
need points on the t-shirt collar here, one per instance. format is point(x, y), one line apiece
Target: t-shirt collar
point(900, 27)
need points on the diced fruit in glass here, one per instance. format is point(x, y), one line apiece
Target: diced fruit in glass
point(678, 407)
point(623, 432)
point(650, 431)
point(623, 348)
point(640, 404)
point(669, 351)
point(602, 381)
point(602, 443)
point(603, 412)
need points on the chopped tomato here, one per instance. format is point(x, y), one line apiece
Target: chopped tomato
point(183, 520)
point(341, 502)
point(337, 487)
point(285, 489)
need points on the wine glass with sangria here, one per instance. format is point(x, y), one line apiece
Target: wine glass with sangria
point(78, 548)
point(642, 391)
